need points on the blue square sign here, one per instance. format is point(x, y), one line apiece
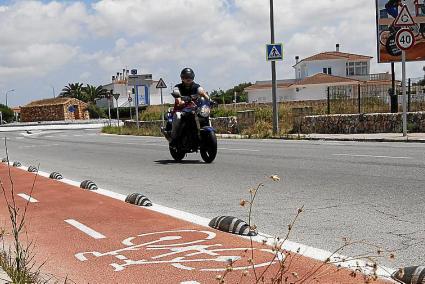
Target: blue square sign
point(274, 52)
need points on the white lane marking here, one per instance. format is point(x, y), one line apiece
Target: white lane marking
point(190, 282)
point(306, 251)
point(371, 156)
point(27, 197)
point(92, 233)
point(37, 146)
point(230, 149)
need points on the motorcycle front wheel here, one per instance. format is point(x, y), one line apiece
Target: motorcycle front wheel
point(176, 154)
point(209, 149)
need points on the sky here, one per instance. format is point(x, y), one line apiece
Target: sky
point(44, 45)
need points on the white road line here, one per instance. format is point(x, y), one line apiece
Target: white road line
point(92, 233)
point(27, 197)
point(371, 156)
point(37, 146)
point(230, 149)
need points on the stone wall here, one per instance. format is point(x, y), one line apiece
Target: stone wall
point(362, 123)
point(42, 113)
point(55, 112)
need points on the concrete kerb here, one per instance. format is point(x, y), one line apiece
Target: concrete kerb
point(306, 251)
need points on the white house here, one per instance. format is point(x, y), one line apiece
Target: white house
point(128, 86)
point(314, 74)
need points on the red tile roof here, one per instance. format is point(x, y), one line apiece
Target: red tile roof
point(322, 78)
point(336, 55)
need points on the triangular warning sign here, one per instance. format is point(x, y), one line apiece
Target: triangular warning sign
point(404, 18)
point(161, 84)
point(274, 53)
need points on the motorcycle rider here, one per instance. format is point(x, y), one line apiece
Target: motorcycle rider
point(186, 88)
point(392, 7)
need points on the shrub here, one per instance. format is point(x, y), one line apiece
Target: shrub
point(96, 112)
point(7, 113)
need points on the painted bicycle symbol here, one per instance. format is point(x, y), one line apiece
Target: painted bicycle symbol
point(182, 249)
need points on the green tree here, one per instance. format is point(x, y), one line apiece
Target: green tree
point(7, 113)
point(74, 90)
point(92, 93)
point(228, 96)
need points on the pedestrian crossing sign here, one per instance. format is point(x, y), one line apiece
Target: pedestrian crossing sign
point(274, 51)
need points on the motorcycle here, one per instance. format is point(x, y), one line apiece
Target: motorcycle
point(195, 133)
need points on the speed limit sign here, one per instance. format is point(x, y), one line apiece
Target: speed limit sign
point(405, 39)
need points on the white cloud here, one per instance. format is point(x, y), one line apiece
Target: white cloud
point(224, 41)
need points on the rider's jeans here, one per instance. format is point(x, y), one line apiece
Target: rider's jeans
point(177, 118)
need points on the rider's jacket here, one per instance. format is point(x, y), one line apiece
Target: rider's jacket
point(193, 89)
point(184, 90)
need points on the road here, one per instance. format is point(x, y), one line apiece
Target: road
point(362, 191)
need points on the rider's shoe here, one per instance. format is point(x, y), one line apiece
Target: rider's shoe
point(173, 144)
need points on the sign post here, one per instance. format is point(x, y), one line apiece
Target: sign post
point(129, 104)
point(274, 55)
point(116, 96)
point(405, 39)
point(161, 85)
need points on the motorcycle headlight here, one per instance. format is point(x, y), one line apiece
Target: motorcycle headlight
point(205, 111)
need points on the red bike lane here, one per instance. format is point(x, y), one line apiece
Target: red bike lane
point(90, 238)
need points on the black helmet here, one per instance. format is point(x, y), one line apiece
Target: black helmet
point(187, 73)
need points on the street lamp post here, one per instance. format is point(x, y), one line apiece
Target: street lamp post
point(12, 90)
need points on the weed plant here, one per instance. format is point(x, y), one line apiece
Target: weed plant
point(364, 266)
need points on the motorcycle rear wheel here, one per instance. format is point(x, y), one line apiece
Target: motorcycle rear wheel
point(209, 151)
point(176, 154)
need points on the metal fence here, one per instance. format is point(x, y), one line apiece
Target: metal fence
point(374, 97)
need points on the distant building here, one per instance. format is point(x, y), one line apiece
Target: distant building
point(129, 85)
point(314, 74)
point(54, 110)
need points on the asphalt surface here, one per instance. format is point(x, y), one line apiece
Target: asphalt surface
point(363, 191)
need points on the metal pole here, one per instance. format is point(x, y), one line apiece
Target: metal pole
point(162, 111)
point(129, 107)
point(118, 113)
point(274, 85)
point(235, 101)
point(403, 87)
point(359, 99)
point(329, 102)
point(394, 100)
point(1, 118)
point(136, 105)
point(109, 110)
point(409, 91)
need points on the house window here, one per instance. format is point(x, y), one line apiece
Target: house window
point(383, 14)
point(356, 68)
point(327, 70)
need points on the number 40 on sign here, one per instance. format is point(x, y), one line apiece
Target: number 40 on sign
point(405, 39)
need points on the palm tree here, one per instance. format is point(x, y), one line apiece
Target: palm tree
point(92, 93)
point(74, 90)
